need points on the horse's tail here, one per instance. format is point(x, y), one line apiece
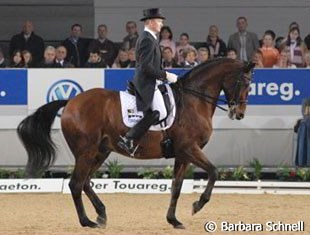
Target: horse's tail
point(34, 132)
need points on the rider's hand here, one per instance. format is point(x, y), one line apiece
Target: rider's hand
point(171, 77)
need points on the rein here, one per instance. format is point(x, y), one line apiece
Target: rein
point(206, 97)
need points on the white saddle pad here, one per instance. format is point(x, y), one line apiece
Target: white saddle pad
point(131, 116)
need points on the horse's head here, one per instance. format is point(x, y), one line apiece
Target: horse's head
point(236, 88)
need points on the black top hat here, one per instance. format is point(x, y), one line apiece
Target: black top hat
point(151, 14)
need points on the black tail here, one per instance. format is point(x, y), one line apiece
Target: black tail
point(34, 132)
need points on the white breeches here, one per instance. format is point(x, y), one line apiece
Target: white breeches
point(159, 104)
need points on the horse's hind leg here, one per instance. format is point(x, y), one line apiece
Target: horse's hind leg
point(198, 158)
point(97, 203)
point(79, 176)
point(179, 170)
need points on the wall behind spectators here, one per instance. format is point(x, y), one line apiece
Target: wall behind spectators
point(52, 18)
point(195, 17)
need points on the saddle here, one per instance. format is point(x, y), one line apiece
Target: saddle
point(131, 115)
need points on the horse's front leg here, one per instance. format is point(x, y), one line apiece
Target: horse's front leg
point(198, 158)
point(179, 171)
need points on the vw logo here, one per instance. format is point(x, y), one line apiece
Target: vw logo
point(63, 90)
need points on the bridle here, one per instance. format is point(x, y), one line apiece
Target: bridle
point(242, 80)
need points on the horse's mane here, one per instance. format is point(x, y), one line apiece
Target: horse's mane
point(204, 66)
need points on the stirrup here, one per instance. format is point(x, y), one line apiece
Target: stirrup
point(128, 146)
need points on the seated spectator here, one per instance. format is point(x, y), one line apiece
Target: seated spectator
point(231, 53)
point(77, 46)
point(49, 58)
point(269, 52)
point(270, 32)
point(132, 57)
point(183, 44)
point(166, 39)
point(28, 62)
point(168, 60)
point(257, 58)
point(295, 47)
point(60, 58)
point(215, 44)
point(3, 61)
point(95, 60)
point(203, 55)
point(284, 60)
point(132, 35)
point(307, 59)
point(108, 50)
point(307, 41)
point(279, 43)
point(122, 60)
point(28, 40)
point(189, 58)
point(17, 60)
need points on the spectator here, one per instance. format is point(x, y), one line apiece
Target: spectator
point(269, 52)
point(132, 57)
point(284, 60)
point(17, 60)
point(122, 60)
point(77, 46)
point(49, 58)
point(168, 60)
point(28, 62)
point(278, 43)
point(132, 35)
point(183, 44)
point(166, 39)
point(307, 41)
point(243, 41)
point(231, 53)
point(60, 58)
point(203, 55)
point(307, 59)
point(296, 47)
point(257, 58)
point(28, 40)
point(3, 61)
point(189, 58)
point(215, 44)
point(270, 32)
point(95, 60)
point(108, 50)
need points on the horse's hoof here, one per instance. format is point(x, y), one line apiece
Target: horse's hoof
point(102, 221)
point(90, 224)
point(179, 226)
point(196, 207)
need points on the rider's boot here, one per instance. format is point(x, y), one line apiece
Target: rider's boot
point(127, 142)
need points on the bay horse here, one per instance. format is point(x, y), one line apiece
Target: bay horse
point(92, 124)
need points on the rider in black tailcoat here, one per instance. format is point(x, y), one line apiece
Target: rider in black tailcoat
point(148, 70)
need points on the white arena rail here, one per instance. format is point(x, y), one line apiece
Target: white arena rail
point(255, 187)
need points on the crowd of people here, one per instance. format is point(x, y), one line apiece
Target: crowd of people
point(27, 49)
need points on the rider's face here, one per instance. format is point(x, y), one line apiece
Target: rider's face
point(156, 24)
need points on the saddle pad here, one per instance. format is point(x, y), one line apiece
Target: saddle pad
point(131, 116)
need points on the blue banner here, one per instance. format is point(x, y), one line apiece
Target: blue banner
point(279, 86)
point(13, 87)
point(269, 86)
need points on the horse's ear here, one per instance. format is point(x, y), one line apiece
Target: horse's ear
point(248, 67)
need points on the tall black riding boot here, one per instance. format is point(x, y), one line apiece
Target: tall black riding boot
point(136, 133)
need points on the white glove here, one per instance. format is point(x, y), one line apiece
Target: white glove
point(171, 77)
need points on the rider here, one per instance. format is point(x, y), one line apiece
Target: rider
point(147, 75)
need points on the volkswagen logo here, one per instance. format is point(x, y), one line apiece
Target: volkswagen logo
point(63, 90)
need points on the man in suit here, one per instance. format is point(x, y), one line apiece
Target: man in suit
point(61, 54)
point(148, 72)
point(243, 41)
point(76, 46)
point(28, 40)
